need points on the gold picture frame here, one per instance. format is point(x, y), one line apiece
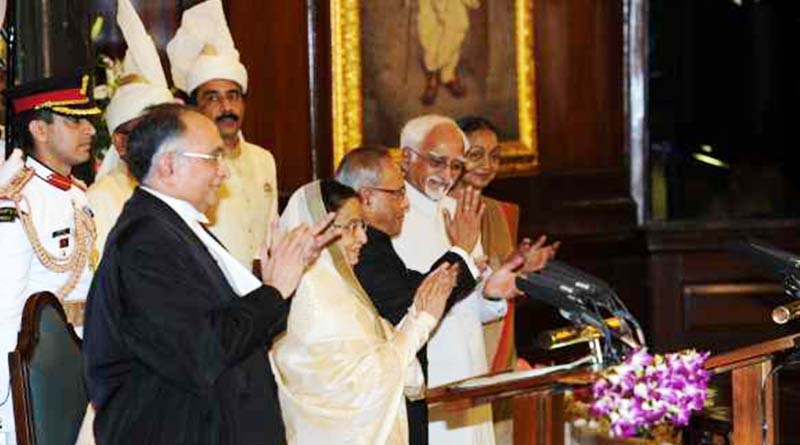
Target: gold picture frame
point(520, 157)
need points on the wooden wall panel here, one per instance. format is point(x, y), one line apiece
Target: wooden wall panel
point(272, 38)
point(579, 80)
point(701, 295)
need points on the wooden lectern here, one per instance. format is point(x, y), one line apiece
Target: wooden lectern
point(538, 402)
point(750, 369)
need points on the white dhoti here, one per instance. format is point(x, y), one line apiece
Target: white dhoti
point(442, 26)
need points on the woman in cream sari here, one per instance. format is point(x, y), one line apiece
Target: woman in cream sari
point(343, 371)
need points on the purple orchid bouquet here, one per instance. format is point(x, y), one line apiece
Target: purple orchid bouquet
point(648, 390)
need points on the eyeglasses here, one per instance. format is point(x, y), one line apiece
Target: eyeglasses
point(476, 154)
point(440, 162)
point(215, 157)
point(352, 226)
point(396, 194)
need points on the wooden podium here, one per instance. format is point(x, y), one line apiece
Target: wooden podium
point(538, 414)
point(538, 401)
point(750, 369)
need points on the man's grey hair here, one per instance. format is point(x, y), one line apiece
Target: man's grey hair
point(363, 167)
point(159, 132)
point(415, 130)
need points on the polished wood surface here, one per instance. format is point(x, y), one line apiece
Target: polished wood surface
point(538, 420)
point(753, 387)
point(537, 402)
point(20, 358)
point(545, 384)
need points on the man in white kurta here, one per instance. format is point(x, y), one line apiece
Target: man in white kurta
point(432, 146)
point(143, 84)
point(205, 64)
point(46, 227)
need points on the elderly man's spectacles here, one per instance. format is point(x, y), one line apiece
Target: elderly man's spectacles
point(215, 157)
point(396, 194)
point(351, 227)
point(440, 162)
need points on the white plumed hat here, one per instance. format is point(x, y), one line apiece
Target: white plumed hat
point(203, 49)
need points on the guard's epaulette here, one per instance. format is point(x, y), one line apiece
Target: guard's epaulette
point(13, 189)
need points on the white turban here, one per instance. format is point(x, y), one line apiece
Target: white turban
point(143, 64)
point(130, 100)
point(415, 130)
point(149, 87)
point(203, 49)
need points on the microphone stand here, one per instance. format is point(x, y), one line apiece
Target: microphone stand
point(575, 306)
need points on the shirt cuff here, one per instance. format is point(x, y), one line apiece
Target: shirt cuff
point(473, 268)
point(492, 310)
point(426, 321)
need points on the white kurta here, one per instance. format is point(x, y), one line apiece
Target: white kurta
point(456, 351)
point(107, 196)
point(21, 272)
point(248, 202)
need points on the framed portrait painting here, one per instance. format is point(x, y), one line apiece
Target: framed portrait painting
point(393, 60)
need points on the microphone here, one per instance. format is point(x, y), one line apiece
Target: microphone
point(560, 296)
point(785, 313)
point(767, 257)
point(583, 281)
point(604, 295)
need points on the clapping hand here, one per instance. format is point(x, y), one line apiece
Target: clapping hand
point(529, 257)
point(537, 254)
point(464, 227)
point(288, 255)
point(432, 294)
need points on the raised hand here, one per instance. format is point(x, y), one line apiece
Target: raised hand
point(464, 227)
point(432, 294)
point(529, 257)
point(502, 282)
point(289, 254)
point(537, 254)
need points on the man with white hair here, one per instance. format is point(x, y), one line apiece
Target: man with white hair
point(205, 64)
point(433, 147)
point(143, 85)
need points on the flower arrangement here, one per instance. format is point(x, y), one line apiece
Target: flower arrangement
point(646, 391)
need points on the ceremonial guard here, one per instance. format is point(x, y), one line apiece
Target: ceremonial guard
point(205, 64)
point(46, 227)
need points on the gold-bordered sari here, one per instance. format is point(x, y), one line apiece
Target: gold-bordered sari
point(343, 371)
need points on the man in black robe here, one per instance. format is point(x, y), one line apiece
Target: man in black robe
point(385, 277)
point(176, 331)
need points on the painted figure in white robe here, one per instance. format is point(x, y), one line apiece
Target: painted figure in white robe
point(442, 27)
point(343, 372)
